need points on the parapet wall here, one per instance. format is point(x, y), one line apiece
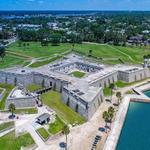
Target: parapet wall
point(23, 102)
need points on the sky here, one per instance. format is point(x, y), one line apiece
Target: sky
point(74, 4)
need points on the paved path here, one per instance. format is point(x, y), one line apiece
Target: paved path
point(5, 132)
point(35, 136)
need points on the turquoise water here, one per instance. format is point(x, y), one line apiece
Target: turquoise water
point(147, 93)
point(135, 134)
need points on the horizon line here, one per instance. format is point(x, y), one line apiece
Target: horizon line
point(75, 10)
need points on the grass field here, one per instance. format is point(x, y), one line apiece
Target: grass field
point(36, 50)
point(25, 111)
point(57, 126)
point(10, 60)
point(33, 87)
point(53, 100)
point(6, 125)
point(10, 142)
point(1, 90)
point(8, 90)
point(121, 84)
point(43, 133)
point(104, 53)
point(78, 74)
point(42, 63)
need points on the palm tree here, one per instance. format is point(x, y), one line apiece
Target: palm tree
point(112, 86)
point(148, 57)
point(66, 132)
point(12, 108)
point(111, 109)
point(111, 112)
point(119, 96)
point(106, 118)
point(145, 57)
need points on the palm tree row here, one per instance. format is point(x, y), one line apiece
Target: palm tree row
point(108, 116)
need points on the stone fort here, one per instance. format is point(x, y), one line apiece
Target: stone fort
point(83, 95)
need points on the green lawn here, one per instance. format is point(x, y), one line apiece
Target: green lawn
point(36, 50)
point(10, 142)
point(33, 87)
point(57, 126)
point(53, 100)
point(136, 53)
point(44, 134)
point(10, 61)
point(1, 90)
point(105, 51)
point(78, 74)
point(108, 54)
point(25, 111)
point(6, 125)
point(120, 84)
point(8, 90)
point(42, 63)
point(107, 91)
point(130, 92)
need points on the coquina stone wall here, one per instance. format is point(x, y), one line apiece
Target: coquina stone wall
point(23, 102)
point(106, 80)
point(16, 79)
point(134, 76)
point(84, 108)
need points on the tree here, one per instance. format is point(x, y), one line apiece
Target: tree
point(66, 132)
point(119, 96)
point(12, 108)
point(55, 39)
point(90, 53)
point(111, 112)
point(112, 86)
point(44, 42)
point(106, 118)
point(2, 52)
point(19, 43)
point(146, 59)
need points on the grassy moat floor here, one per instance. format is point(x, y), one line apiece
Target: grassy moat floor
point(53, 100)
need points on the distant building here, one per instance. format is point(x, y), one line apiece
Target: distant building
point(136, 39)
point(146, 32)
point(53, 25)
point(29, 26)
